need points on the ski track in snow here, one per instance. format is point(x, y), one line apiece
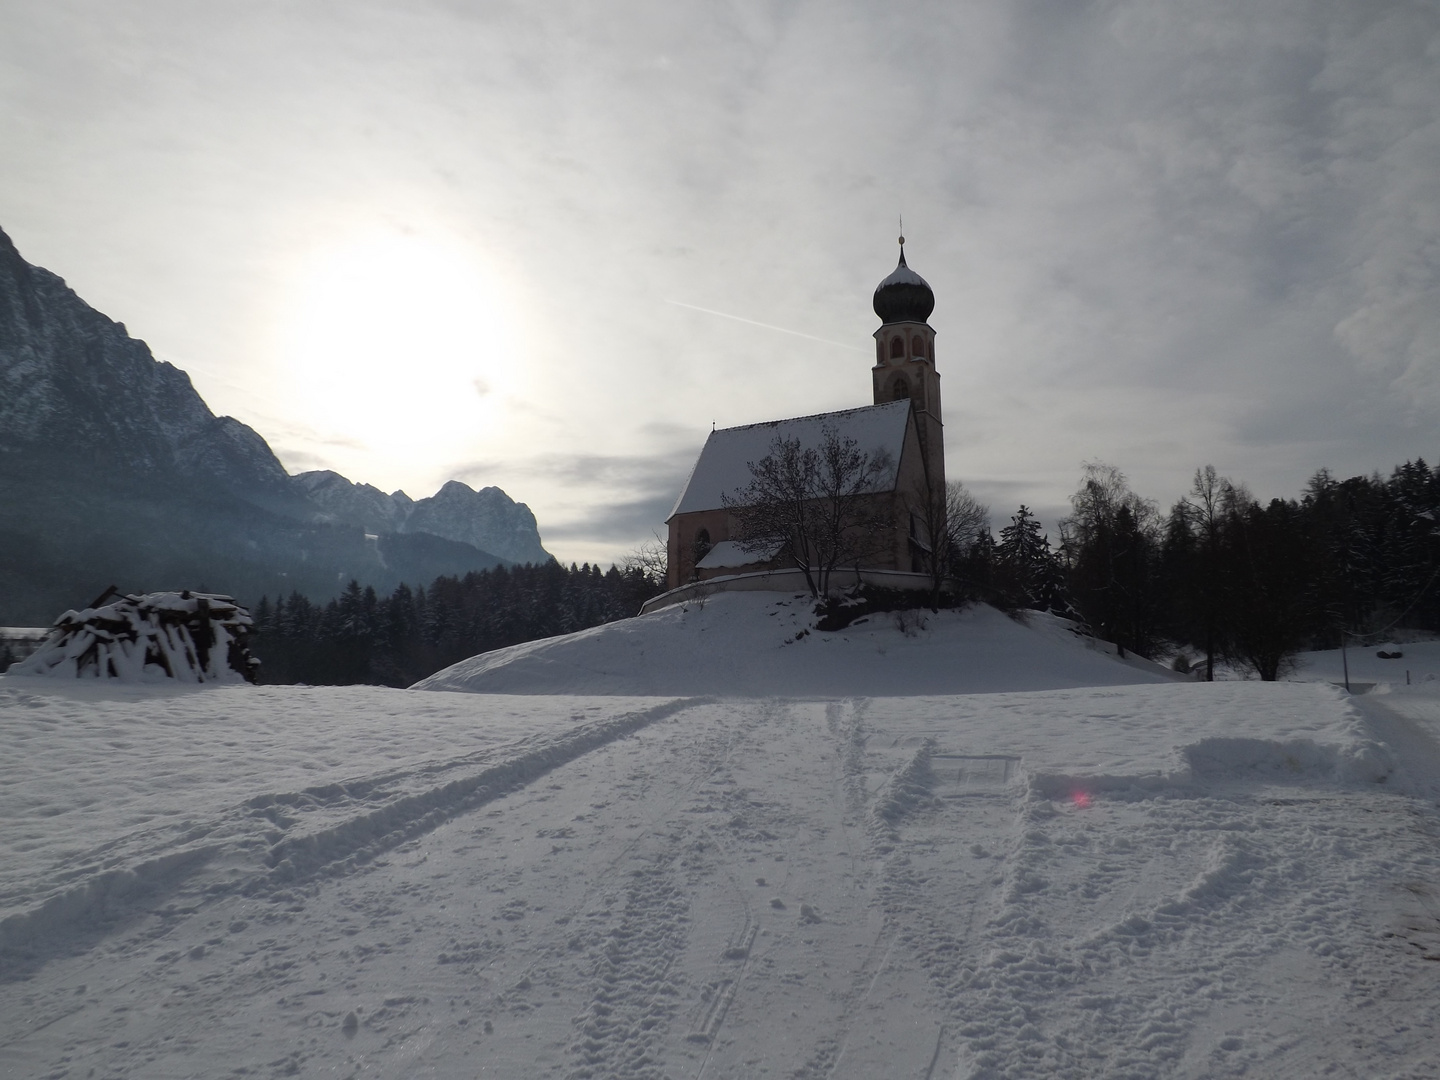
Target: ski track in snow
point(1023, 885)
point(279, 837)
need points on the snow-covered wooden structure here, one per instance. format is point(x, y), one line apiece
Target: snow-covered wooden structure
point(149, 637)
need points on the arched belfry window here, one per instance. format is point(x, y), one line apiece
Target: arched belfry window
point(897, 348)
point(702, 544)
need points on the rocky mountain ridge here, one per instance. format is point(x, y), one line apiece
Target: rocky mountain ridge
point(113, 470)
point(487, 518)
point(73, 382)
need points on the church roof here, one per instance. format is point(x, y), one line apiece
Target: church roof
point(904, 296)
point(724, 464)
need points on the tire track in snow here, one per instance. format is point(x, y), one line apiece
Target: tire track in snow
point(356, 841)
point(932, 905)
point(863, 1038)
point(620, 1033)
point(629, 917)
point(637, 994)
point(108, 896)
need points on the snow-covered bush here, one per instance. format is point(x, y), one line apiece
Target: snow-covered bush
point(191, 637)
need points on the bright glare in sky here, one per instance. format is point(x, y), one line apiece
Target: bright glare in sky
point(398, 346)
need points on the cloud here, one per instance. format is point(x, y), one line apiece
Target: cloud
point(628, 523)
point(590, 470)
point(1159, 234)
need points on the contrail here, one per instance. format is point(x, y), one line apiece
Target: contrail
point(765, 325)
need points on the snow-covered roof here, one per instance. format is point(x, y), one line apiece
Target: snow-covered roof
point(724, 463)
point(727, 555)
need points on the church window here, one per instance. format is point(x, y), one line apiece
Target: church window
point(901, 389)
point(702, 544)
point(897, 348)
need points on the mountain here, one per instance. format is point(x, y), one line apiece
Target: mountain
point(113, 470)
point(487, 519)
point(75, 386)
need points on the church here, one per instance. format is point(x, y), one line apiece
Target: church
point(903, 425)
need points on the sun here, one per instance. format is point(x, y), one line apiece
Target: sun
point(398, 347)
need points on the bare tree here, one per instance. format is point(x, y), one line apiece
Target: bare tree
point(1212, 500)
point(953, 521)
point(650, 560)
point(1111, 540)
point(816, 507)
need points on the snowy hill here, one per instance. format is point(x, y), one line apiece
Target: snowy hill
point(1085, 870)
point(759, 644)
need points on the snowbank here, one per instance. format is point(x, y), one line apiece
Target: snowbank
point(1145, 738)
point(758, 645)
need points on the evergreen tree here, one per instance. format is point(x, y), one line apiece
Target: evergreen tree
point(1028, 564)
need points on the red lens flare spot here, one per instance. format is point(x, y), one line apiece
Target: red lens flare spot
point(1081, 799)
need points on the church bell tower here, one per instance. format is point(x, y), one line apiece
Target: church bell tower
point(905, 361)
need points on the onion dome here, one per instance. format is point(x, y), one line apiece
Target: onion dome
point(904, 296)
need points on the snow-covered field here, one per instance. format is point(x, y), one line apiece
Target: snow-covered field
point(1038, 863)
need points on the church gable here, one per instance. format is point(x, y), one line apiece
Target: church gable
point(724, 464)
point(903, 428)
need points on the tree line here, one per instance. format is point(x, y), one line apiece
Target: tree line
point(1222, 576)
point(400, 638)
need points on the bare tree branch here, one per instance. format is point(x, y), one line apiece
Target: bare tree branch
point(818, 508)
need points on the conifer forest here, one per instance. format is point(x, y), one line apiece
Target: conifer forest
point(398, 639)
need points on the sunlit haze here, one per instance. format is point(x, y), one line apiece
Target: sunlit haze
point(402, 348)
point(546, 247)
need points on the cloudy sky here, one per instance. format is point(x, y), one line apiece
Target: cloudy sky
point(546, 246)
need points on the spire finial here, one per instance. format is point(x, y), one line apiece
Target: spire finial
point(902, 234)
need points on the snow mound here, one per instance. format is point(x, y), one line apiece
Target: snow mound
point(1136, 741)
point(758, 645)
point(190, 637)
